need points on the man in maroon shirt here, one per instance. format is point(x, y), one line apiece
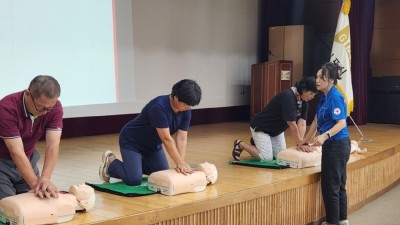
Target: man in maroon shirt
point(24, 118)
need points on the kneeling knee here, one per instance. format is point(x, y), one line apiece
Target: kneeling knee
point(134, 181)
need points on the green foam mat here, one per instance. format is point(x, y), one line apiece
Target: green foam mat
point(120, 188)
point(257, 163)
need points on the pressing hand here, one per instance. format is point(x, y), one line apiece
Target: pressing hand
point(184, 168)
point(45, 189)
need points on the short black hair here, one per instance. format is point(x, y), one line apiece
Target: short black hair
point(187, 91)
point(306, 84)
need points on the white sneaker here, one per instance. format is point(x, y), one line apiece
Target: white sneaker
point(325, 223)
point(342, 222)
point(105, 163)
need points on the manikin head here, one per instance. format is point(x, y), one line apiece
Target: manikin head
point(84, 196)
point(210, 170)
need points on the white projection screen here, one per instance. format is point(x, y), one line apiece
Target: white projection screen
point(75, 41)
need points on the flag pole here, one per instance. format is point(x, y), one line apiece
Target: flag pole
point(359, 131)
point(341, 55)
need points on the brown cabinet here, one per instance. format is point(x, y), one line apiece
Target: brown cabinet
point(267, 80)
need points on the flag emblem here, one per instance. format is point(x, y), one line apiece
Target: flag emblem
point(341, 55)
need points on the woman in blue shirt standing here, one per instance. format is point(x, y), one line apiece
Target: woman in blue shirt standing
point(333, 135)
point(141, 140)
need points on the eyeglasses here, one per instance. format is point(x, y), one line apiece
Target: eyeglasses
point(42, 109)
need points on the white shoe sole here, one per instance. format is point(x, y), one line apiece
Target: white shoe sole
point(104, 165)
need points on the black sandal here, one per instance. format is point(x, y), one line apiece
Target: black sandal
point(237, 150)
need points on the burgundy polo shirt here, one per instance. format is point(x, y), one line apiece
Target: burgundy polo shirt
point(15, 122)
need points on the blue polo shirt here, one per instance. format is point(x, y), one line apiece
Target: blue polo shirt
point(15, 122)
point(332, 107)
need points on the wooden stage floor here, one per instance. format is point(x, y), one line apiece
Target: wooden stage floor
point(242, 195)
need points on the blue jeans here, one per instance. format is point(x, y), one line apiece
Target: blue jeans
point(335, 155)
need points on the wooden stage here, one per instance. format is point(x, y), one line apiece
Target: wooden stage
point(242, 195)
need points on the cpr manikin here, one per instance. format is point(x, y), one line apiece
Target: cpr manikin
point(356, 148)
point(28, 209)
point(293, 158)
point(170, 182)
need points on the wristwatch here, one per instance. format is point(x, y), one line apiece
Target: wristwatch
point(327, 133)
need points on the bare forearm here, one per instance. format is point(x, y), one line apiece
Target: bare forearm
point(172, 150)
point(181, 142)
point(295, 132)
point(171, 147)
point(16, 148)
point(51, 154)
point(181, 149)
point(25, 169)
point(311, 131)
point(50, 160)
point(301, 124)
point(340, 124)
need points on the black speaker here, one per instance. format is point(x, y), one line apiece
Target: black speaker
point(384, 100)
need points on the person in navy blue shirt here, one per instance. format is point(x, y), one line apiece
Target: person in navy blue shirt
point(141, 140)
point(333, 136)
